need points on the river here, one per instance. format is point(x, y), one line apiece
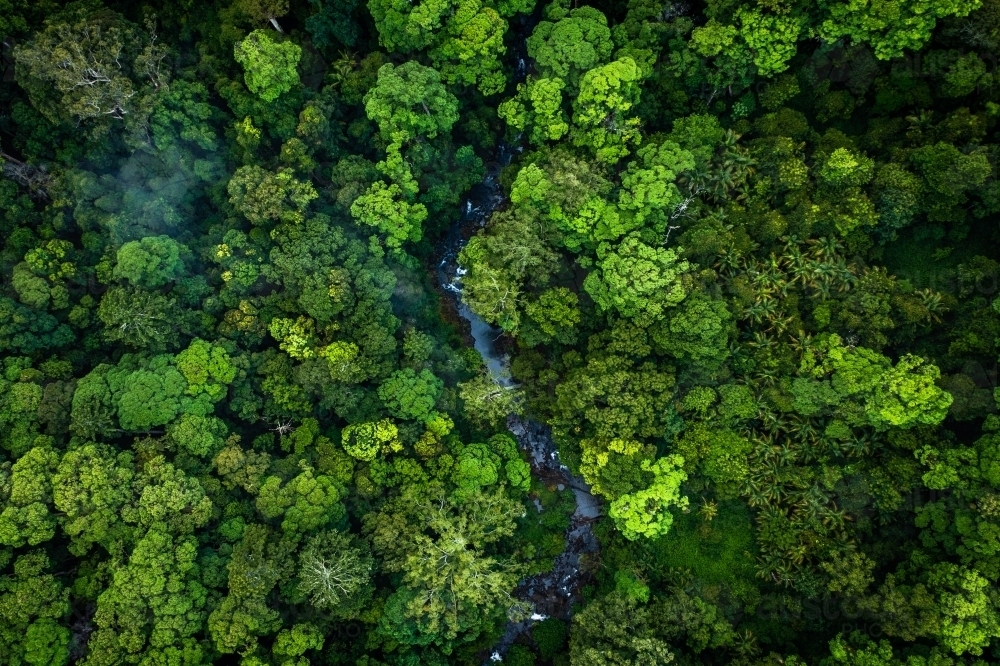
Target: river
point(551, 594)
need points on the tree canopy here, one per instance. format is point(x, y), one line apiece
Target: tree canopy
point(444, 332)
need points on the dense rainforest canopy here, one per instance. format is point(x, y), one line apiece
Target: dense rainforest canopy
point(746, 271)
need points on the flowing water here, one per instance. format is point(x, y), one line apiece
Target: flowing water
point(552, 594)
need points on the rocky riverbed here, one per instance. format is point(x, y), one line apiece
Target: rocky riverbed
point(551, 594)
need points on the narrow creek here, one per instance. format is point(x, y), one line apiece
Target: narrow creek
point(552, 594)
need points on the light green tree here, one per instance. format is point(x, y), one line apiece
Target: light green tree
point(406, 26)
point(259, 561)
point(649, 189)
point(411, 98)
point(198, 435)
point(408, 394)
point(451, 586)
point(90, 486)
point(25, 518)
point(615, 468)
point(489, 401)
point(697, 333)
point(307, 502)
point(384, 208)
point(969, 618)
point(168, 497)
point(47, 643)
point(846, 168)
point(207, 369)
point(149, 397)
point(771, 38)
point(33, 597)
point(537, 107)
point(636, 280)
point(556, 313)
point(296, 641)
point(576, 43)
point(365, 441)
point(646, 512)
point(601, 112)
point(891, 28)
point(153, 605)
point(471, 50)
point(908, 395)
point(902, 396)
point(269, 65)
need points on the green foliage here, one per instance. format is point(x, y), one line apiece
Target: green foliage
point(464, 38)
point(411, 99)
point(198, 435)
point(306, 503)
point(746, 288)
point(183, 113)
point(91, 65)
point(968, 618)
point(698, 333)
point(27, 331)
point(46, 643)
point(550, 636)
point(335, 572)
point(556, 313)
point(168, 497)
point(488, 401)
point(144, 393)
point(154, 603)
point(903, 395)
point(607, 95)
point(410, 395)
point(538, 106)
point(891, 28)
point(150, 262)
point(616, 468)
point(25, 518)
point(470, 53)
point(148, 398)
point(382, 207)
point(648, 187)
point(451, 586)
point(90, 487)
point(771, 38)
point(207, 369)
point(637, 280)
point(243, 615)
point(33, 603)
point(565, 49)
point(615, 630)
point(475, 468)
point(138, 318)
point(266, 197)
point(405, 28)
point(645, 513)
point(270, 66)
point(296, 641)
point(365, 441)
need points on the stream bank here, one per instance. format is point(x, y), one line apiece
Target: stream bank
point(554, 593)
